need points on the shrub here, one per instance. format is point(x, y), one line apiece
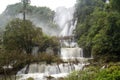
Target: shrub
point(112, 72)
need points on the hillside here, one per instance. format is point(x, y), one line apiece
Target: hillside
point(40, 16)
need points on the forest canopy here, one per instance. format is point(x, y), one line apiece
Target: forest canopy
point(98, 28)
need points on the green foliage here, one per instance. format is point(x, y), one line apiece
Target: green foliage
point(106, 42)
point(48, 58)
point(43, 13)
point(20, 35)
point(30, 78)
point(87, 29)
point(73, 76)
point(13, 59)
point(115, 5)
point(87, 74)
point(98, 28)
point(51, 42)
point(84, 8)
point(94, 73)
point(23, 36)
point(14, 9)
point(111, 73)
point(19, 38)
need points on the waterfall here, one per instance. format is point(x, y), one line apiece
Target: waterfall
point(49, 70)
point(71, 54)
point(64, 18)
point(69, 51)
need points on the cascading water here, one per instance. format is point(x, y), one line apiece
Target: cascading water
point(69, 51)
point(41, 71)
point(71, 54)
point(64, 18)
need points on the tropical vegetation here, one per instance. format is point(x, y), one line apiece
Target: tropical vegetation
point(98, 28)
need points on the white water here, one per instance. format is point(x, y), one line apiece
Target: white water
point(71, 53)
point(64, 18)
point(42, 71)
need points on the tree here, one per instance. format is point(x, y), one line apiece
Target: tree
point(22, 36)
point(98, 30)
point(115, 4)
point(85, 7)
point(25, 3)
point(86, 21)
point(105, 36)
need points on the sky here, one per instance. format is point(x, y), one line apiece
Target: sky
point(53, 4)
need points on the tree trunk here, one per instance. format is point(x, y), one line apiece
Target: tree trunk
point(5, 75)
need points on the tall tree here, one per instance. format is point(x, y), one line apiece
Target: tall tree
point(25, 3)
point(84, 9)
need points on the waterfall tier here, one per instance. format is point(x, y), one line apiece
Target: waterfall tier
point(71, 54)
point(41, 71)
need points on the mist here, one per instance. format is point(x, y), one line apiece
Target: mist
point(64, 18)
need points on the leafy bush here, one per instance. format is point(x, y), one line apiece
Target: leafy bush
point(93, 73)
point(111, 73)
point(73, 76)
